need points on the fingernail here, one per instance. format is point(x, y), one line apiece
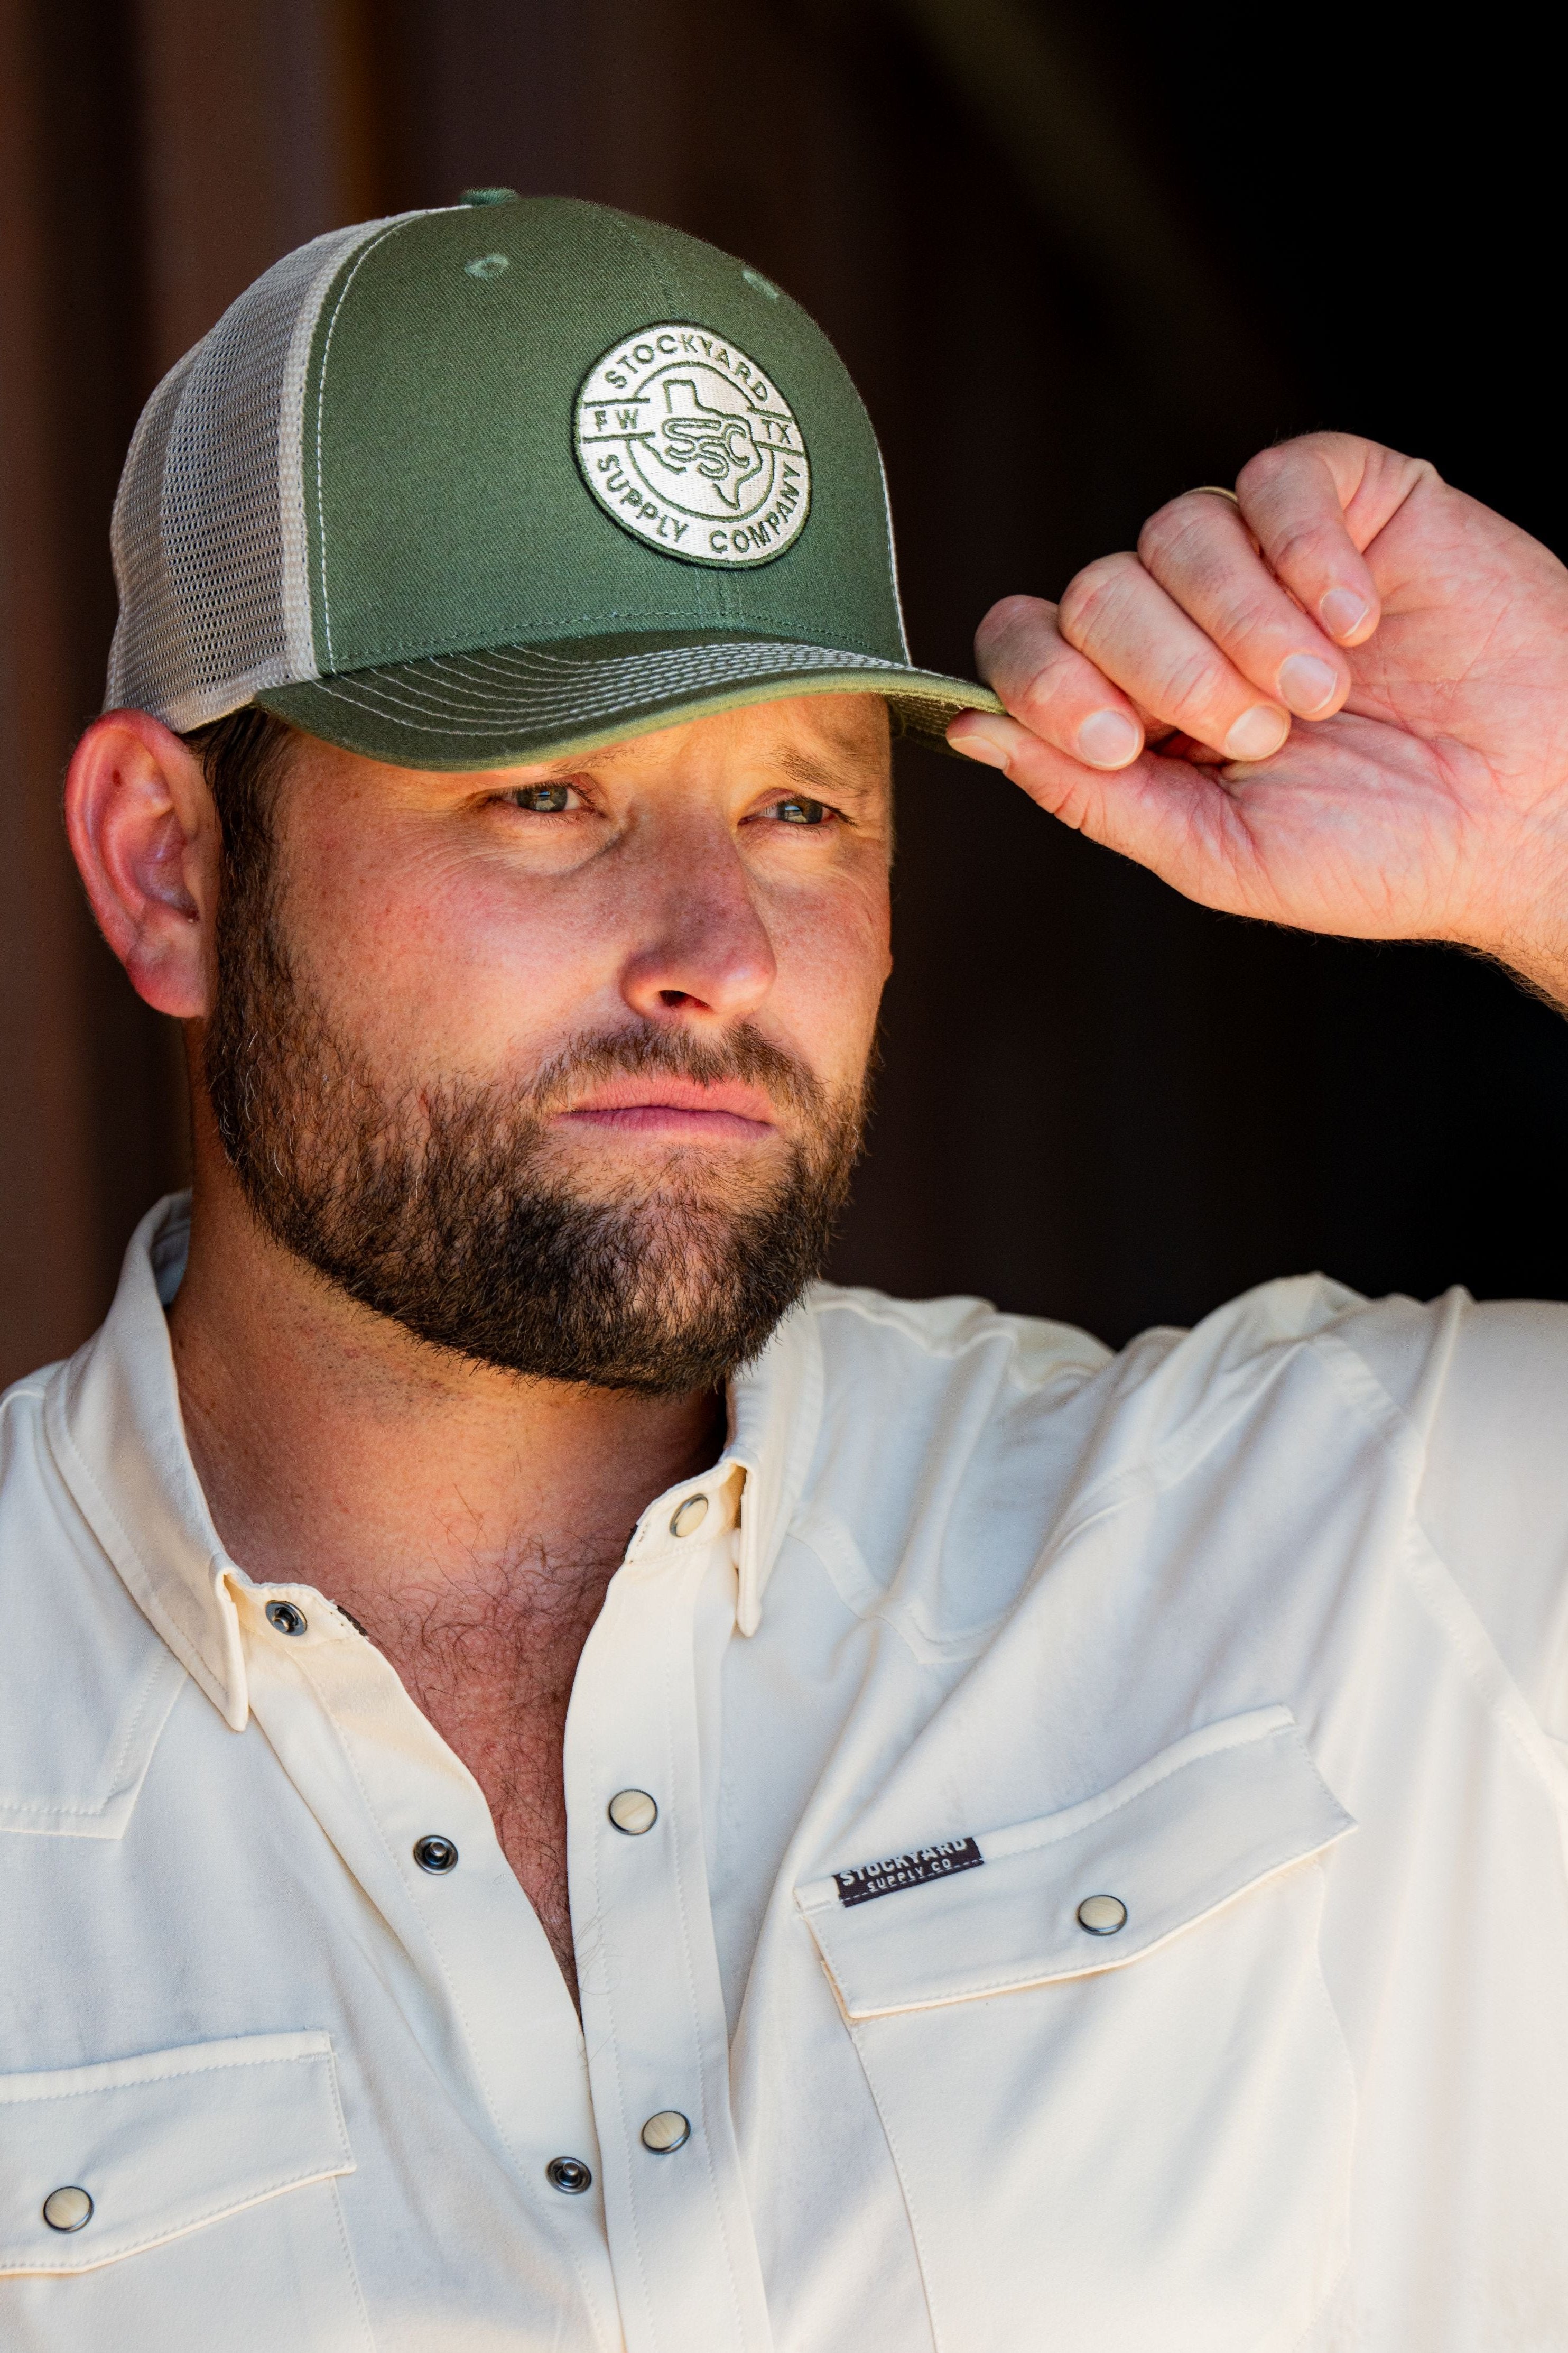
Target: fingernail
point(1307, 684)
point(977, 742)
point(1342, 611)
point(1108, 739)
point(1256, 733)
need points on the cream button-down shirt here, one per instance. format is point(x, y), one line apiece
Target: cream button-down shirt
point(1107, 1884)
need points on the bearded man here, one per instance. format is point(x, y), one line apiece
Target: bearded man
point(566, 1784)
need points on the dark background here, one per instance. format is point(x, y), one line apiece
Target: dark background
point(1077, 259)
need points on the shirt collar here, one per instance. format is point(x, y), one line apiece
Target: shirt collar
point(775, 1411)
point(117, 1438)
point(117, 1435)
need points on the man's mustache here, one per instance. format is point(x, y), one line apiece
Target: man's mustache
point(742, 1056)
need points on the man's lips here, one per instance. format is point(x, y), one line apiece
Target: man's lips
point(675, 1107)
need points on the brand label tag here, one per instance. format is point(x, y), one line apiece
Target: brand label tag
point(912, 1869)
point(689, 446)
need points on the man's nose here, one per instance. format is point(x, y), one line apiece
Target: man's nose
point(706, 949)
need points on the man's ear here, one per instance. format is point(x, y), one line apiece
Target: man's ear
point(145, 837)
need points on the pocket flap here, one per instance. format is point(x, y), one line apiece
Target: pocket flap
point(162, 2144)
point(1200, 1823)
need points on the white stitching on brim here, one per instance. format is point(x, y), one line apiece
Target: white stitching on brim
point(465, 694)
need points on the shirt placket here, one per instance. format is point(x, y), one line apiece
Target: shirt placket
point(483, 1992)
point(679, 2224)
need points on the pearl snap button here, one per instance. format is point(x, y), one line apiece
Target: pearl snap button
point(570, 2174)
point(1102, 1915)
point(436, 1854)
point(68, 2209)
point(634, 1811)
point(286, 1618)
point(666, 2131)
point(689, 1516)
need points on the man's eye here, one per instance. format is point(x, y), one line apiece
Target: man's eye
point(543, 800)
point(801, 812)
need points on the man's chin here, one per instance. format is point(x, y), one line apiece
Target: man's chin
point(665, 1128)
point(716, 1182)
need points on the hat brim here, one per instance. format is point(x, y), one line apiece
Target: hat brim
point(515, 705)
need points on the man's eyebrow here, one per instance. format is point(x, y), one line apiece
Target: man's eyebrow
point(828, 780)
point(850, 778)
point(566, 764)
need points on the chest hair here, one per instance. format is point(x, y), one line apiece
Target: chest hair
point(490, 1661)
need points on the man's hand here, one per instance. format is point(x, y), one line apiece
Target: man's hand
point(1357, 683)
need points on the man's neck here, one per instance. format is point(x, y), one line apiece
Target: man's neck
point(468, 1520)
point(336, 1449)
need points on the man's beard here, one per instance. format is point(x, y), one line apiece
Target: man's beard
point(433, 1203)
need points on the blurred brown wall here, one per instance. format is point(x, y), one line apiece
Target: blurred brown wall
point(1096, 1100)
point(154, 161)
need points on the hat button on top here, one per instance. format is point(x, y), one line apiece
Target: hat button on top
point(488, 196)
point(687, 1517)
point(1102, 1915)
point(67, 2209)
point(634, 1811)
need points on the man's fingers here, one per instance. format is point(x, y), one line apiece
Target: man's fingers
point(1227, 622)
point(1118, 615)
point(1045, 683)
point(1059, 782)
point(1202, 553)
point(1170, 817)
point(1296, 499)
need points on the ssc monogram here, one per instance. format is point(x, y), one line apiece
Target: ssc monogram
point(684, 440)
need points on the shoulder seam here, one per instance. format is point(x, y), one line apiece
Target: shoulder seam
point(19, 1393)
point(900, 1316)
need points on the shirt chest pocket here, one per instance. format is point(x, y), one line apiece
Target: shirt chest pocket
point(185, 2198)
point(1105, 2060)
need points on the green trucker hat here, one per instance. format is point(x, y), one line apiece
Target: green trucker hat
point(505, 480)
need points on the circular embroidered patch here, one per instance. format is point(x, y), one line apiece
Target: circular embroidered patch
point(689, 446)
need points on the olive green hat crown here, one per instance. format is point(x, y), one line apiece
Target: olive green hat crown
point(491, 483)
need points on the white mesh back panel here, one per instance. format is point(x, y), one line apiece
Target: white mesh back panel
point(214, 600)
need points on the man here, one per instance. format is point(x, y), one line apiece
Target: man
point(565, 1787)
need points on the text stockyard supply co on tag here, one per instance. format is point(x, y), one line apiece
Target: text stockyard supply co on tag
point(912, 1869)
point(687, 445)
